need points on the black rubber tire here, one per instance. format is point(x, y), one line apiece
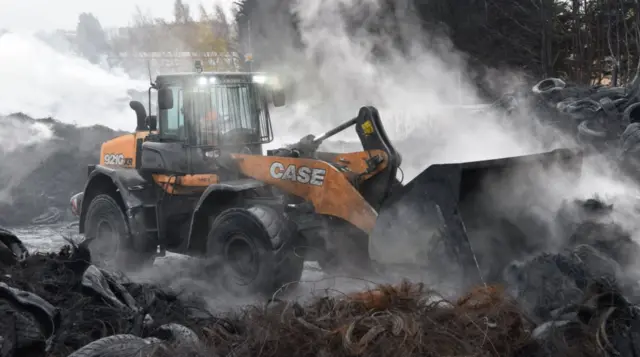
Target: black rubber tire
point(115, 346)
point(8, 330)
point(263, 234)
point(586, 129)
point(177, 335)
point(23, 332)
point(7, 257)
point(104, 209)
point(13, 243)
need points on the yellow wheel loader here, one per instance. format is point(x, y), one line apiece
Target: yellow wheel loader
point(194, 179)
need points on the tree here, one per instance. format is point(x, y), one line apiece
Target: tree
point(91, 38)
point(585, 41)
point(266, 29)
point(181, 12)
point(209, 39)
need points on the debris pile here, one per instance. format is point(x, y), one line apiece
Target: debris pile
point(53, 159)
point(607, 118)
point(573, 302)
point(576, 310)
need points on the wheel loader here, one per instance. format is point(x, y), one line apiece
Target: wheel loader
point(194, 179)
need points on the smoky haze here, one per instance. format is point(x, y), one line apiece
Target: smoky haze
point(334, 67)
point(41, 81)
point(417, 88)
point(16, 134)
point(42, 78)
point(418, 80)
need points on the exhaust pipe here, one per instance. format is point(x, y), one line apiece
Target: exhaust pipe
point(141, 114)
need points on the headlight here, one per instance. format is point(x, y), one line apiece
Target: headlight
point(76, 203)
point(203, 81)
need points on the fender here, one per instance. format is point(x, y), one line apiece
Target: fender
point(130, 186)
point(198, 220)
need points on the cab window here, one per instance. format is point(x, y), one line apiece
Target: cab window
point(172, 120)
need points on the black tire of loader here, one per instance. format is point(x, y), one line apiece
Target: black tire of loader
point(255, 229)
point(104, 209)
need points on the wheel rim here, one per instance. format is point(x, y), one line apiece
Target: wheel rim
point(105, 246)
point(240, 257)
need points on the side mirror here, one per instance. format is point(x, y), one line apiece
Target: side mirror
point(152, 122)
point(165, 98)
point(279, 98)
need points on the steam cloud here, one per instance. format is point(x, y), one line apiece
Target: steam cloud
point(15, 134)
point(418, 92)
point(42, 82)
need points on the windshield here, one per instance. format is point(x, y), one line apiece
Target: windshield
point(206, 115)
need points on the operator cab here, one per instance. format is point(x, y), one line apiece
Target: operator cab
point(202, 114)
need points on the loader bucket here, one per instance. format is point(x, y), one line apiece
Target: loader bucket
point(460, 206)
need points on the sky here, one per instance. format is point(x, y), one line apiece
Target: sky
point(46, 15)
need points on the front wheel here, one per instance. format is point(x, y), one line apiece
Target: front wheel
point(255, 249)
point(108, 237)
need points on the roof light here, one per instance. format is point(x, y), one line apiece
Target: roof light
point(203, 81)
point(260, 79)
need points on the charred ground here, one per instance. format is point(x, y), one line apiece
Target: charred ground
point(579, 301)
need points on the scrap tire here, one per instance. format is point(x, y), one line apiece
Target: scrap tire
point(20, 330)
point(116, 346)
point(252, 234)
point(104, 209)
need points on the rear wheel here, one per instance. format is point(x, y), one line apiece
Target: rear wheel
point(108, 237)
point(242, 241)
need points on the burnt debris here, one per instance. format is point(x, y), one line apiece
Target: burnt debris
point(580, 300)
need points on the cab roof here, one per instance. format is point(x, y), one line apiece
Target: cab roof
point(211, 74)
point(175, 78)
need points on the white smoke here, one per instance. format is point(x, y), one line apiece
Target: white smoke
point(417, 93)
point(16, 133)
point(40, 81)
